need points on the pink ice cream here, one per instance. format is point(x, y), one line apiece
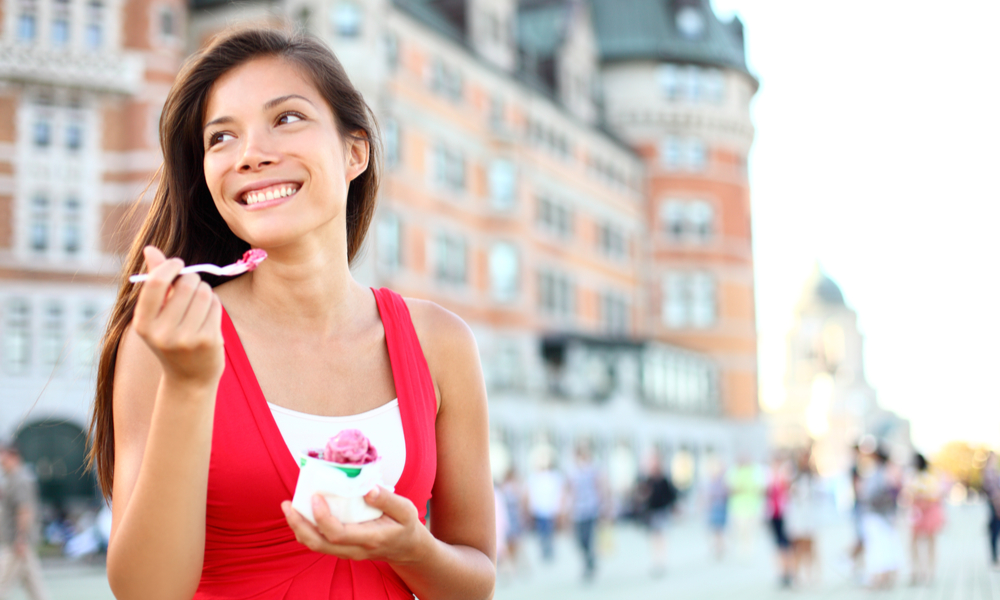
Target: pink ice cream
point(350, 447)
point(253, 257)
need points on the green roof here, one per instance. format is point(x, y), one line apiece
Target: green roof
point(647, 29)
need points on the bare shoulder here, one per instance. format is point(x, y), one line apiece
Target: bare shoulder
point(439, 329)
point(449, 346)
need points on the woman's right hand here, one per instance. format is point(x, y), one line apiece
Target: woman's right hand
point(180, 319)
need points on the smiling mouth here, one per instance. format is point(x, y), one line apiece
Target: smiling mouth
point(269, 193)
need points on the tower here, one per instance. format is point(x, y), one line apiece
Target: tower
point(676, 87)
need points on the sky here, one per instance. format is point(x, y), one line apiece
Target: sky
point(877, 154)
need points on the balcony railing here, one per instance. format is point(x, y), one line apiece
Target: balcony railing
point(98, 71)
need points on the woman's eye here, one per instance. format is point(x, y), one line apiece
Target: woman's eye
point(217, 138)
point(288, 117)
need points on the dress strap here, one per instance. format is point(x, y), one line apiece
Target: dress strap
point(417, 400)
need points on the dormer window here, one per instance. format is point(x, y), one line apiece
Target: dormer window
point(690, 22)
point(95, 20)
point(26, 21)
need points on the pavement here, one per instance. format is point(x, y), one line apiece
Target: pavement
point(624, 569)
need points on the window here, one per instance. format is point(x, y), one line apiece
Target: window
point(700, 216)
point(702, 300)
point(346, 18)
point(389, 240)
point(94, 37)
point(676, 153)
point(17, 337)
point(42, 134)
point(87, 339)
point(168, 24)
point(450, 258)
point(449, 167)
point(39, 224)
point(507, 371)
point(74, 136)
point(690, 83)
point(497, 119)
point(689, 300)
point(679, 380)
point(555, 217)
point(71, 227)
point(670, 152)
point(614, 313)
point(687, 220)
point(504, 271)
point(446, 80)
point(713, 85)
point(27, 21)
point(60, 23)
point(503, 184)
point(556, 294)
point(611, 241)
point(52, 335)
point(391, 51)
point(697, 155)
point(390, 135)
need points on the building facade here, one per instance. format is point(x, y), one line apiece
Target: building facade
point(81, 86)
point(567, 176)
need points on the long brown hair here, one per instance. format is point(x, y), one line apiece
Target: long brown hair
point(183, 221)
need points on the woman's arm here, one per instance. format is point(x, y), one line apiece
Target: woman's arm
point(167, 372)
point(457, 557)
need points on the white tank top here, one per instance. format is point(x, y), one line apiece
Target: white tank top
point(383, 426)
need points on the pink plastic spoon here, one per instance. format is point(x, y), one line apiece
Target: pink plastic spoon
point(251, 259)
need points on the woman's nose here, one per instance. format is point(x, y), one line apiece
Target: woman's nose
point(258, 152)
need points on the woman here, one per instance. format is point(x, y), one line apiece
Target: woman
point(205, 393)
point(883, 548)
point(926, 493)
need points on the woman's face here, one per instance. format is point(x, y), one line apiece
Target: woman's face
point(275, 163)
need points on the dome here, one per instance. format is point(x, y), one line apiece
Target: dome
point(820, 289)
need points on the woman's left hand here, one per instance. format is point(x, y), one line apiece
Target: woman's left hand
point(396, 537)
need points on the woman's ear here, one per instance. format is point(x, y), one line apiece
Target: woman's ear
point(356, 154)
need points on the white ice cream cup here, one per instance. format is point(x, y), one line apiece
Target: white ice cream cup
point(342, 486)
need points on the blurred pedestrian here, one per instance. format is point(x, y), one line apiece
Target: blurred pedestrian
point(801, 517)
point(926, 493)
point(883, 547)
point(991, 487)
point(777, 502)
point(19, 562)
point(746, 484)
point(717, 496)
point(512, 491)
point(657, 498)
point(587, 498)
point(858, 550)
point(545, 502)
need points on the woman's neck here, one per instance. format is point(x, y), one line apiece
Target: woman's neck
point(296, 290)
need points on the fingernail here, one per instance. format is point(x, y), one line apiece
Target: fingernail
point(374, 492)
point(284, 508)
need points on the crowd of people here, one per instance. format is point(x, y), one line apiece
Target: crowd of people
point(893, 504)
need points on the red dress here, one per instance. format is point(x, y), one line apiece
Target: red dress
point(250, 552)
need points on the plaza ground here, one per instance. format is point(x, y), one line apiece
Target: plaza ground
point(693, 574)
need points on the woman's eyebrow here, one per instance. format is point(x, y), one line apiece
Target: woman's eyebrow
point(267, 106)
point(272, 103)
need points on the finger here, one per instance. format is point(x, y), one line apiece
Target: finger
point(154, 290)
point(197, 310)
point(396, 507)
point(153, 257)
point(327, 524)
point(180, 297)
point(311, 537)
point(213, 320)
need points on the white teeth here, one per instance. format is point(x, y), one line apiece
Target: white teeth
point(281, 192)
